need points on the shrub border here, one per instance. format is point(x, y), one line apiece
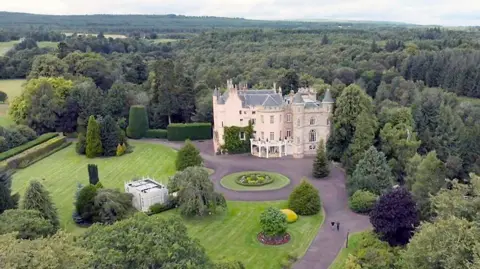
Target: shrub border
point(231, 179)
point(17, 150)
point(273, 241)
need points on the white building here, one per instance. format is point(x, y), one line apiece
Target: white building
point(146, 192)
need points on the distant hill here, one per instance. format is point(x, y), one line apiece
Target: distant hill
point(156, 23)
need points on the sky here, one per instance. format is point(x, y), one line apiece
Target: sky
point(438, 12)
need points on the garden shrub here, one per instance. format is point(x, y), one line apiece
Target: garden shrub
point(29, 224)
point(28, 156)
point(3, 97)
point(93, 174)
point(121, 149)
point(94, 143)
point(14, 151)
point(3, 144)
point(14, 138)
point(304, 199)
point(26, 132)
point(85, 202)
point(137, 122)
point(362, 201)
point(159, 208)
point(254, 180)
point(27, 162)
point(188, 156)
point(156, 133)
point(291, 216)
point(111, 205)
point(192, 131)
point(273, 222)
point(81, 144)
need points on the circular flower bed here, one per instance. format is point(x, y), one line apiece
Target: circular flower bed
point(254, 180)
point(273, 240)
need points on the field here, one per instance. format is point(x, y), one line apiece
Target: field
point(164, 40)
point(353, 241)
point(13, 88)
point(475, 101)
point(232, 235)
point(6, 46)
point(106, 35)
point(61, 172)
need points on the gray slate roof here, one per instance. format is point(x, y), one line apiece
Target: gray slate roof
point(328, 97)
point(255, 98)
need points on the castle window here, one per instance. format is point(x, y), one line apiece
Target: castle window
point(253, 112)
point(254, 135)
point(222, 123)
point(272, 136)
point(240, 112)
point(312, 136)
point(245, 112)
point(289, 133)
point(272, 119)
point(298, 123)
point(242, 135)
point(261, 118)
point(312, 121)
point(253, 121)
point(289, 117)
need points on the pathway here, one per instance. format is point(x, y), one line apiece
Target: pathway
point(328, 242)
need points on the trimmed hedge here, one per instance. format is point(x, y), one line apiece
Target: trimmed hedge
point(192, 131)
point(156, 133)
point(137, 122)
point(17, 150)
point(29, 156)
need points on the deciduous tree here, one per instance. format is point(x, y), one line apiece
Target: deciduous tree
point(188, 156)
point(304, 199)
point(29, 224)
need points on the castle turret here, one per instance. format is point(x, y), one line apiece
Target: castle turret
point(298, 109)
point(327, 101)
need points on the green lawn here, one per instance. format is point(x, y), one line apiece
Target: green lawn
point(232, 235)
point(342, 256)
point(61, 172)
point(164, 40)
point(280, 182)
point(6, 46)
point(47, 44)
point(13, 88)
point(475, 101)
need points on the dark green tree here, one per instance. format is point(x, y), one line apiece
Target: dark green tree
point(289, 82)
point(120, 245)
point(38, 198)
point(325, 40)
point(372, 174)
point(111, 205)
point(29, 224)
point(447, 136)
point(85, 202)
point(137, 122)
point(304, 199)
point(7, 200)
point(93, 174)
point(47, 66)
point(429, 178)
point(188, 156)
point(321, 167)
point(81, 145)
point(351, 103)
point(196, 194)
point(163, 91)
point(109, 136)
point(363, 139)
point(94, 142)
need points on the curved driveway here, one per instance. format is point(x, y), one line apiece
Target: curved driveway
point(328, 242)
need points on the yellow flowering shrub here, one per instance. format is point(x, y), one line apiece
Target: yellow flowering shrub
point(291, 216)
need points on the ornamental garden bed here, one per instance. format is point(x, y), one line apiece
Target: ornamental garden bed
point(273, 240)
point(254, 180)
point(271, 181)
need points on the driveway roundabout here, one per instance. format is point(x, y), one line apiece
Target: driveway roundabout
point(268, 181)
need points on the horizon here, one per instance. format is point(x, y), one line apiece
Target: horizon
point(423, 12)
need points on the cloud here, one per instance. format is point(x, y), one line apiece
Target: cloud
point(443, 12)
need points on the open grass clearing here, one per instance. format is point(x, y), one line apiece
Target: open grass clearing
point(13, 88)
point(233, 234)
point(353, 245)
point(475, 101)
point(62, 171)
point(279, 182)
point(6, 46)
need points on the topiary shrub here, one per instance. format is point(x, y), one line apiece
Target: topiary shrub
point(273, 222)
point(81, 144)
point(188, 156)
point(291, 216)
point(304, 199)
point(93, 174)
point(85, 202)
point(137, 122)
point(362, 201)
point(94, 143)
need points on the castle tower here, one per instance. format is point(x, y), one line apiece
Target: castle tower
point(327, 101)
point(298, 109)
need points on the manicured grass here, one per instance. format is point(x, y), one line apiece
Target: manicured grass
point(353, 240)
point(47, 44)
point(279, 182)
point(233, 235)
point(164, 40)
point(13, 88)
point(61, 172)
point(475, 101)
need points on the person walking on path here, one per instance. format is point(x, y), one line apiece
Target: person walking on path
point(338, 226)
point(333, 225)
